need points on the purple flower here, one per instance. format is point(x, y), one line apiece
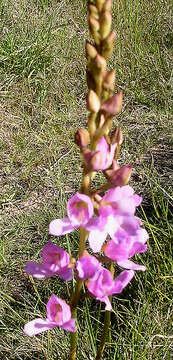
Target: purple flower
point(102, 157)
point(56, 261)
point(58, 314)
point(116, 213)
point(123, 246)
point(79, 210)
point(103, 285)
point(120, 201)
point(87, 266)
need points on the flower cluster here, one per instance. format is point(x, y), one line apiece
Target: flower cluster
point(115, 218)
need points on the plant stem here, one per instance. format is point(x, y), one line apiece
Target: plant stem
point(75, 297)
point(104, 335)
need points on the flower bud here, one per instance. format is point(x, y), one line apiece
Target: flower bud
point(102, 121)
point(93, 11)
point(93, 102)
point(119, 177)
point(93, 23)
point(90, 50)
point(109, 80)
point(111, 38)
point(107, 5)
point(99, 4)
point(82, 138)
point(113, 106)
point(117, 136)
point(100, 62)
point(105, 24)
point(108, 45)
point(94, 28)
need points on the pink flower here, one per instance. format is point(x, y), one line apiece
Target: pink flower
point(87, 266)
point(116, 212)
point(120, 201)
point(124, 246)
point(103, 285)
point(58, 314)
point(55, 262)
point(102, 157)
point(79, 210)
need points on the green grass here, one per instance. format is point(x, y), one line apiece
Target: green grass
point(42, 91)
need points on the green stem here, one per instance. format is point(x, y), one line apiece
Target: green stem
point(104, 335)
point(75, 297)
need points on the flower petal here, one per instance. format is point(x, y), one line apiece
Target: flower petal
point(127, 264)
point(37, 326)
point(70, 325)
point(38, 271)
point(66, 273)
point(60, 227)
point(106, 300)
point(96, 239)
point(87, 266)
point(122, 281)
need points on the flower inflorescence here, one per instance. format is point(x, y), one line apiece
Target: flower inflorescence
point(105, 215)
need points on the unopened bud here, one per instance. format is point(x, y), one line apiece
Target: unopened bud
point(90, 50)
point(93, 11)
point(105, 24)
point(102, 121)
point(107, 5)
point(94, 28)
point(99, 4)
point(117, 136)
point(82, 138)
point(100, 62)
point(93, 23)
point(119, 177)
point(108, 45)
point(111, 37)
point(93, 102)
point(113, 106)
point(109, 80)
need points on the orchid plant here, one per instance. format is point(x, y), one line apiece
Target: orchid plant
point(105, 216)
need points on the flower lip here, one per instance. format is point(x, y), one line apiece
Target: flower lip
point(87, 266)
point(79, 209)
point(58, 310)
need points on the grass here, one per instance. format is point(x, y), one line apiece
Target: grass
point(42, 90)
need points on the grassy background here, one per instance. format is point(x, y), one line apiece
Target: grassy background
point(42, 91)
